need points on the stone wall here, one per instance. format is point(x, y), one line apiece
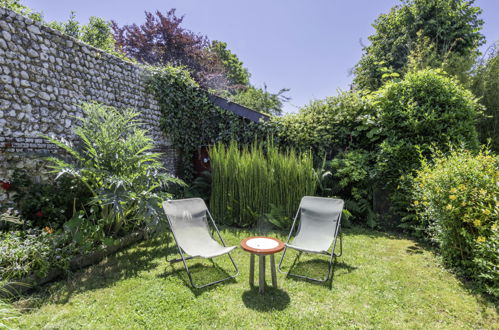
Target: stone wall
point(43, 77)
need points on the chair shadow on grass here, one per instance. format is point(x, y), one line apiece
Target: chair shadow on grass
point(129, 262)
point(317, 268)
point(203, 271)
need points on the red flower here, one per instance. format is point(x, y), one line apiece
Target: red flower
point(39, 213)
point(5, 185)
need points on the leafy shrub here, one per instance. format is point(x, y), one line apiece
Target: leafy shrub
point(278, 218)
point(328, 126)
point(247, 182)
point(33, 251)
point(456, 198)
point(423, 111)
point(126, 180)
point(48, 204)
point(352, 179)
point(18, 7)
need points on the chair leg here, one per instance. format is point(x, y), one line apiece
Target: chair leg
point(332, 255)
point(184, 259)
point(341, 244)
point(282, 258)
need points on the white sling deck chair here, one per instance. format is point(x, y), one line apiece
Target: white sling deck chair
point(317, 231)
point(188, 219)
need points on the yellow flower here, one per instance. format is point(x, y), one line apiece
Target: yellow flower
point(453, 191)
point(452, 197)
point(477, 223)
point(48, 230)
point(480, 239)
point(420, 185)
point(463, 204)
point(426, 203)
point(448, 207)
point(416, 203)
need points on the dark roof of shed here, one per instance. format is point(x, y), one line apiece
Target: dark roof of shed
point(238, 109)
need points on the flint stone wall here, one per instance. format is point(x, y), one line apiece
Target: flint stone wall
point(43, 77)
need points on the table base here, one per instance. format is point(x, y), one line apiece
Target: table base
point(261, 271)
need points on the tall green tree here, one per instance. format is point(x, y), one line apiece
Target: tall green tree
point(236, 73)
point(71, 27)
point(451, 27)
point(485, 85)
point(96, 33)
point(260, 99)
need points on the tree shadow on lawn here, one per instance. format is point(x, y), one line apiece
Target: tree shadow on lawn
point(204, 271)
point(122, 265)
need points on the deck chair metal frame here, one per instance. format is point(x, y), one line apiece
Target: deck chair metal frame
point(331, 254)
point(183, 254)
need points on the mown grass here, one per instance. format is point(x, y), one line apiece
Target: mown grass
point(382, 281)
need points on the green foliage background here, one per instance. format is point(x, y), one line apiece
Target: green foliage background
point(192, 120)
point(452, 27)
point(485, 85)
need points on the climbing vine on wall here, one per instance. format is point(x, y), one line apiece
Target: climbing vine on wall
point(191, 119)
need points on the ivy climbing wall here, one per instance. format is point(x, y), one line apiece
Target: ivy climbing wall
point(44, 75)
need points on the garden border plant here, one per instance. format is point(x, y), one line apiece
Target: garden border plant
point(113, 159)
point(455, 197)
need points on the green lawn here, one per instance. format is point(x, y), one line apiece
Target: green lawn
point(382, 281)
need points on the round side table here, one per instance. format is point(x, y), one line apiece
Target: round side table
point(262, 246)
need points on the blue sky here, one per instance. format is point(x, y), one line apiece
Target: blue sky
point(307, 46)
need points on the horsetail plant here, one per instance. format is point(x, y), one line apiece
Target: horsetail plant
point(248, 181)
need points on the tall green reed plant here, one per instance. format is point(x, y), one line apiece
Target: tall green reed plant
point(248, 181)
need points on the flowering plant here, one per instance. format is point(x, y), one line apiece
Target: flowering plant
point(5, 185)
point(457, 200)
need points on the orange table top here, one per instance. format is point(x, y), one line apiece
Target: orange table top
point(262, 245)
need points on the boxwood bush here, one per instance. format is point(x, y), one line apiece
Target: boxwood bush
point(456, 198)
point(426, 110)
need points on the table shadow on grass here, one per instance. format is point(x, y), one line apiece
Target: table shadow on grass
point(273, 299)
point(202, 271)
point(125, 264)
